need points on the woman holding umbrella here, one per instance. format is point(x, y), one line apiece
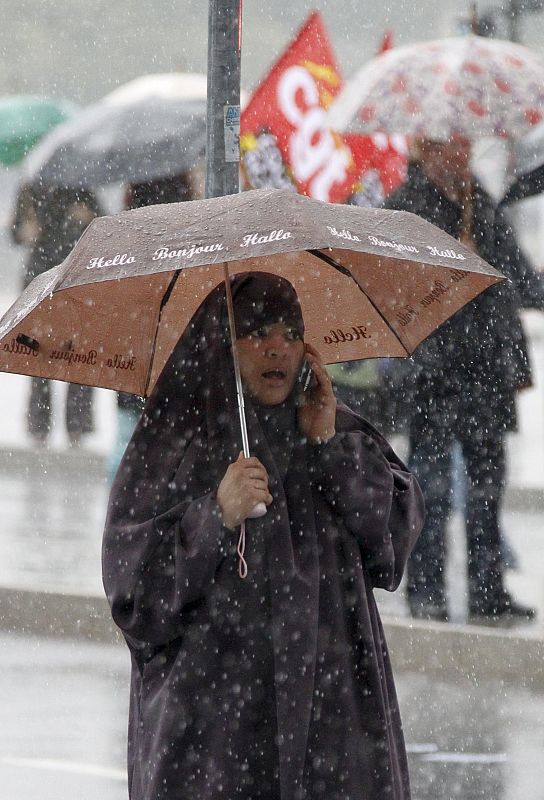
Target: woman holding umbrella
point(279, 684)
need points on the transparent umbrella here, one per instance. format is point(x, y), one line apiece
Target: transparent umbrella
point(466, 86)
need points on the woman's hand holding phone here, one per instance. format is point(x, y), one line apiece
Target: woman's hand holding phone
point(317, 405)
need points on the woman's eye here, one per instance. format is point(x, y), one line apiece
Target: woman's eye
point(259, 333)
point(293, 335)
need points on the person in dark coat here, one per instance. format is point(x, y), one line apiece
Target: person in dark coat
point(463, 384)
point(57, 218)
point(279, 685)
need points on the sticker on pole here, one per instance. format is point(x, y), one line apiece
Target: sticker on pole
point(231, 115)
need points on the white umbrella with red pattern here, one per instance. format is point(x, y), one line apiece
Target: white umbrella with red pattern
point(467, 86)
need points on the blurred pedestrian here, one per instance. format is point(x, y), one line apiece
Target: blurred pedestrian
point(49, 221)
point(170, 189)
point(463, 386)
point(279, 684)
point(25, 228)
point(359, 384)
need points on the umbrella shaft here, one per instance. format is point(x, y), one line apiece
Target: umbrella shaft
point(466, 222)
point(237, 375)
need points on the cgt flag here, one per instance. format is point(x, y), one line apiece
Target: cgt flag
point(285, 142)
point(288, 111)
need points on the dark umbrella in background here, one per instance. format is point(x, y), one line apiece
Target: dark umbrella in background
point(135, 140)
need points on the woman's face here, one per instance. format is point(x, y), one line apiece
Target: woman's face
point(270, 360)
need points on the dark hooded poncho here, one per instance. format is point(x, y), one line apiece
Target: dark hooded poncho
point(279, 686)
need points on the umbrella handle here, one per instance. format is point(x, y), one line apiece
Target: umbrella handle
point(258, 511)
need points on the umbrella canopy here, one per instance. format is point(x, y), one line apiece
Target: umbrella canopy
point(466, 86)
point(169, 85)
point(130, 136)
point(371, 283)
point(24, 119)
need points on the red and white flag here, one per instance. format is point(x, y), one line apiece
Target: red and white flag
point(286, 142)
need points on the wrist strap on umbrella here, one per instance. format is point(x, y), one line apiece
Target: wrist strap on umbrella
point(241, 549)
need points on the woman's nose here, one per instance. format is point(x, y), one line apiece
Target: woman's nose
point(275, 345)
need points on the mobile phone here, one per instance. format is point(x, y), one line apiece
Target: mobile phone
point(306, 376)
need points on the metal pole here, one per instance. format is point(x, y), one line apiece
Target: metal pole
point(223, 134)
point(223, 164)
point(223, 112)
point(474, 21)
point(515, 12)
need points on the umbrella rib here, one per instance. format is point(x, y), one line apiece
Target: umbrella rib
point(165, 299)
point(345, 271)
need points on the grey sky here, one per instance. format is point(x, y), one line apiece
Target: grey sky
point(81, 50)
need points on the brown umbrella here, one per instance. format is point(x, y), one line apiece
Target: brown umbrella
point(371, 283)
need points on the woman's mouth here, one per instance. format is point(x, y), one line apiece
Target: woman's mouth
point(274, 375)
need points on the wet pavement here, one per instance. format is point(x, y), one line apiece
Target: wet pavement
point(64, 713)
point(52, 519)
point(472, 742)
